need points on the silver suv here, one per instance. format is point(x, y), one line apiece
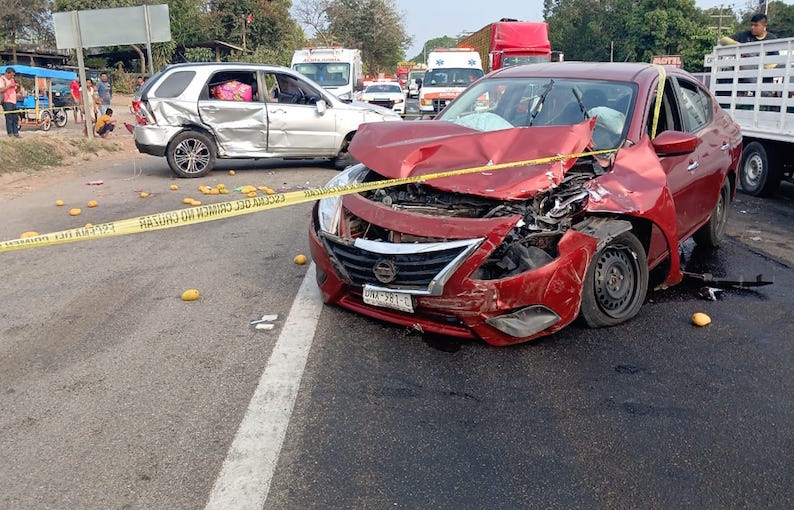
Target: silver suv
point(195, 113)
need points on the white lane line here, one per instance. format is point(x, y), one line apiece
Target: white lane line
point(245, 478)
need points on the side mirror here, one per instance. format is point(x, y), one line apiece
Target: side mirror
point(674, 143)
point(322, 106)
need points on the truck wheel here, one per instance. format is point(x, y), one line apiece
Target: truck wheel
point(711, 234)
point(191, 154)
point(758, 174)
point(615, 283)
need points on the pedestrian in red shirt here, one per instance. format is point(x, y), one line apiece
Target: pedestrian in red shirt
point(77, 98)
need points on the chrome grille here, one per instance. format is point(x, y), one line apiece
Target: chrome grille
point(420, 267)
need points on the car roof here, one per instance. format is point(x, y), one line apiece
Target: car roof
point(611, 71)
point(222, 65)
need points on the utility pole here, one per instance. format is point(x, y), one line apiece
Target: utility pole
point(719, 18)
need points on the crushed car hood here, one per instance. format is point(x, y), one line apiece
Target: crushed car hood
point(414, 148)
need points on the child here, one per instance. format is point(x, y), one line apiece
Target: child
point(104, 125)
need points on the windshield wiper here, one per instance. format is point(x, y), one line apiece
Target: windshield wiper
point(542, 98)
point(578, 96)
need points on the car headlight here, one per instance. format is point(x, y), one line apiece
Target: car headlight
point(329, 209)
point(397, 101)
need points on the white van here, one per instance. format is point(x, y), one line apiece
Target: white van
point(449, 72)
point(338, 70)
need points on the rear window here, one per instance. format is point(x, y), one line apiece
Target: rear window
point(174, 84)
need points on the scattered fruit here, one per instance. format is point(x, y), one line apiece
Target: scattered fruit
point(89, 225)
point(231, 172)
point(174, 187)
point(701, 319)
point(93, 203)
point(300, 259)
point(221, 186)
point(75, 212)
point(214, 191)
point(223, 191)
point(251, 194)
point(187, 200)
point(144, 194)
point(31, 233)
point(195, 203)
point(190, 295)
point(59, 203)
point(270, 191)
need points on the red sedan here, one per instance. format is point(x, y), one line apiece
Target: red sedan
point(511, 254)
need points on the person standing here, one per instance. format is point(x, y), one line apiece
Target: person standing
point(8, 89)
point(103, 89)
point(94, 99)
point(757, 32)
point(77, 98)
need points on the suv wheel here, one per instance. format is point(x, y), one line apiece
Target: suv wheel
point(191, 154)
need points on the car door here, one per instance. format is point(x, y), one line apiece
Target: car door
point(712, 157)
point(681, 170)
point(231, 107)
point(296, 127)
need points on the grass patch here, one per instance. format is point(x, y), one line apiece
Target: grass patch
point(28, 155)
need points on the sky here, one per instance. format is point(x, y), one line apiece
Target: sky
point(428, 19)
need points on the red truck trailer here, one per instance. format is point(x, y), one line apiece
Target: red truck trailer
point(508, 42)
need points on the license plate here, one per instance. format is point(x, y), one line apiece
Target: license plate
point(388, 299)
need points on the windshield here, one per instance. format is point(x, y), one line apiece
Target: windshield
point(495, 104)
point(327, 74)
point(524, 59)
point(452, 77)
point(381, 89)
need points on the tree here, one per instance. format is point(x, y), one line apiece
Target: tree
point(444, 41)
point(314, 14)
point(627, 30)
point(25, 21)
point(373, 26)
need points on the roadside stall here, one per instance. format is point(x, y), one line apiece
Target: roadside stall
point(37, 108)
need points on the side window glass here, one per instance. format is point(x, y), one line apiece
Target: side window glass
point(232, 86)
point(174, 84)
point(669, 115)
point(696, 105)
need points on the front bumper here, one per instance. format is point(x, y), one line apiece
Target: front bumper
point(501, 311)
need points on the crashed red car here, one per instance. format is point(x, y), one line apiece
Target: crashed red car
point(508, 255)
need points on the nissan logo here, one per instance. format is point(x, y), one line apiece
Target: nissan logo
point(385, 271)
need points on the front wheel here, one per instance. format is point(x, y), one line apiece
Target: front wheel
point(712, 233)
point(45, 120)
point(615, 283)
point(191, 154)
point(61, 118)
point(758, 172)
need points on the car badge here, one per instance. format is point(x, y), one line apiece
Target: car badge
point(385, 271)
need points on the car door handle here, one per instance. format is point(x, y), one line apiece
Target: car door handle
point(693, 166)
point(725, 146)
point(278, 110)
point(210, 108)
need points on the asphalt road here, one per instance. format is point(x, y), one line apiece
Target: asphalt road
point(117, 394)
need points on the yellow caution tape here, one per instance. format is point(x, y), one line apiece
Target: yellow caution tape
point(210, 212)
point(659, 92)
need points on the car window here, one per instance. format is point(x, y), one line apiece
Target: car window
point(285, 88)
point(232, 86)
point(696, 105)
point(174, 84)
point(669, 115)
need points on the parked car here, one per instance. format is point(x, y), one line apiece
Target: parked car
point(508, 255)
point(195, 113)
point(386, 94)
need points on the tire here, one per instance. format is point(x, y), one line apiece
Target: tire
point(759, 174)
point(45, 120)
point(61, 118)
point(191, 154)
point(712, 233)
point(616, 282)
point(343, 160)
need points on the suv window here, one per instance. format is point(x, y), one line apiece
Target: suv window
point(232, 86)
point(173, 85)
